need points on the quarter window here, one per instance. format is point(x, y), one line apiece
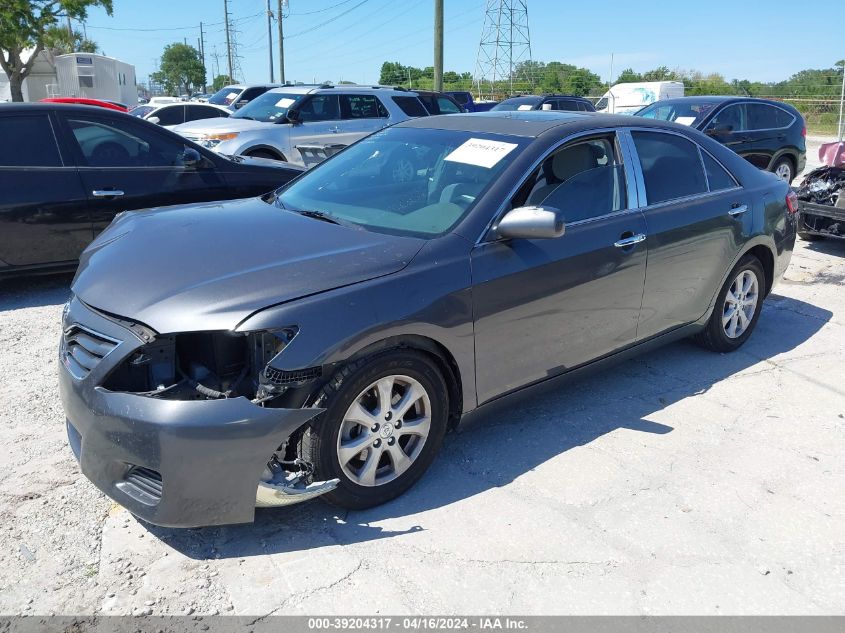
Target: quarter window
point(584, 180)
point(29, 141)
point(671, 166)
point(718, 178)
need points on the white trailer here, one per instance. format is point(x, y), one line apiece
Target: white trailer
point(627, 98)
point(96, 77)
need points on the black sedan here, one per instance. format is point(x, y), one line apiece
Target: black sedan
point(320, 341)
point(769, 134)
point(68, 169)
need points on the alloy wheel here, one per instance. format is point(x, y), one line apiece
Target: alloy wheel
point(384, 430)
point(784, 172)
point(740, 304)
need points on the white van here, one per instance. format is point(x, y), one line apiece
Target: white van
point(627, 98)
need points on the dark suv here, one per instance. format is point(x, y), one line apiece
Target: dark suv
point(769, 134)
point(554, 102)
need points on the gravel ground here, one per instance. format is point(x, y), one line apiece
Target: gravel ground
point(679, 482)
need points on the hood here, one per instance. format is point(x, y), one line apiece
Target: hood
point(209, 266)
point(220, 125)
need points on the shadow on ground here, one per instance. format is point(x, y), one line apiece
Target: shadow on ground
point(499, 443)
point(34, 292)
point(828, 246)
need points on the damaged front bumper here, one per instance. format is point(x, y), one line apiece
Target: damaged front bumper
point(174, 463)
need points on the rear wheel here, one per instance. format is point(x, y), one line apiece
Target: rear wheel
point(384, 421)
point(784, 169)
point(737, 307)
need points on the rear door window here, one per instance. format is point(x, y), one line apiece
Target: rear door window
point(765, 117)
point(410, 106)
point(198, 112)
point(671, 166)
point(29, 142)
point(362, 107)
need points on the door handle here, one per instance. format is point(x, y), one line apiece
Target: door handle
point(107, 193)
point(738, 210)
point(630, 241)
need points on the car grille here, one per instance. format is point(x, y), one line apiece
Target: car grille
point(284, 378)
point(83, 349)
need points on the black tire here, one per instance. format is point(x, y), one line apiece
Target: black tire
point(811, 237)
point(263, 153)
point(784, 161)
point(320, 440)
point(714, 337)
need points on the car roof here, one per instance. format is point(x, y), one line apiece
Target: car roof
point(353, 88)
point(528, 123)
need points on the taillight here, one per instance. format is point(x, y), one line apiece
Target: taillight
point(792, 202)
point(804, 131)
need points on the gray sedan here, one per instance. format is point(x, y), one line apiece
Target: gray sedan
point(321, 340)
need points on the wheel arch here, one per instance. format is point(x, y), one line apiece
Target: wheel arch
point(788, 154)
point(438, 352)
point(264, 148)
point(767, 259)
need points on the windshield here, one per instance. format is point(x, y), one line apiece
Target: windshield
point(269, 107)
point(517, 103)
point(141, 111)
point(404, 181)
point(685, 112)
point(225, 96)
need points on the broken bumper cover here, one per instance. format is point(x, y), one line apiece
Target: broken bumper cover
point(173, 463)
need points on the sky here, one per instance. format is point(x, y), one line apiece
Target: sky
point(765, 40)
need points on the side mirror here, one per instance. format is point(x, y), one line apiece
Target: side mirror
point(292, 116)
point(531, 223)
point(240, 104)
point(191, 158)
point(154, 119)
point(720, 129)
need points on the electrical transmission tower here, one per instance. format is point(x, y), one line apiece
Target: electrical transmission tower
point(505, 42)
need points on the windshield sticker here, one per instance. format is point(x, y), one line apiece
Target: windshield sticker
point(525, 107)
point(231, 96)
point(285, 102)
point(481, 152)
point(685, 120)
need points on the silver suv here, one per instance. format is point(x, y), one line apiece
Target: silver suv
point(304, 124)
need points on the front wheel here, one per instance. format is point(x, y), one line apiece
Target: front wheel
point(384, 421)
point(737, 307)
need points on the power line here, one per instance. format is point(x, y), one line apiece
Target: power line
point(329, 21)
point(323, 10)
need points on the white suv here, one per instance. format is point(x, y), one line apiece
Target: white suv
point(304, 124)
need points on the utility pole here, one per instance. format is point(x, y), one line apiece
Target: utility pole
point(281, 44)
point(438, 45)
point(202, 54)
point(270, 39)
point(228, 41)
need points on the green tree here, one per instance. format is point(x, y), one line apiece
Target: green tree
point(60, 41)
point(24, 24)
point(221, 81)
point(628, 76)
point(181, 69)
